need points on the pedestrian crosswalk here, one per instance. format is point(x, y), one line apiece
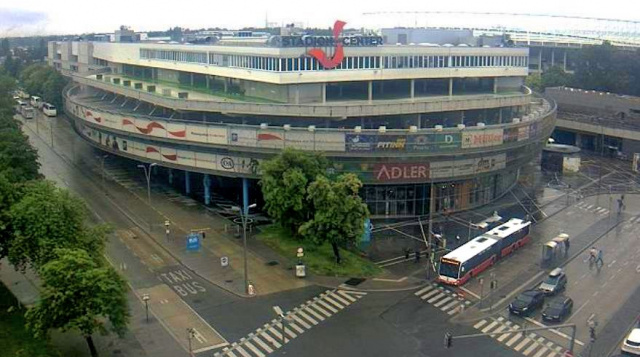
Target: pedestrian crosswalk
point(273, 335)
point(593, 208)
point(528, 344)
point(442, 298)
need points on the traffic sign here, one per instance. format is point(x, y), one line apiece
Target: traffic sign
point(193, 242)
point(224, 261)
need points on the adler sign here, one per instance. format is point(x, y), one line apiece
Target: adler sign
point(401, 172)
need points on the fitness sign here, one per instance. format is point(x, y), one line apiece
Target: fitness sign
point(338, 43)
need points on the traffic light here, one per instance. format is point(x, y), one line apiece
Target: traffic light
point(448, 339)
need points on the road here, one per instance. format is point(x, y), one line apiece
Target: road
point(410, 323)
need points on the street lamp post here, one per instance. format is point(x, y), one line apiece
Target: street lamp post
point(243, 217)
point(102, 158)
point(147, 175)
point(146, 298)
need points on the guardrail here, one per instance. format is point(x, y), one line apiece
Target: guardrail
point(328, 110)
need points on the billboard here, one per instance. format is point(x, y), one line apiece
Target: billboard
point(482, 138)
point(523, 133)
point(243, 137)
point(393, 143)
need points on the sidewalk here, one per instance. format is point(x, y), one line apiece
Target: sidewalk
point(141, 339)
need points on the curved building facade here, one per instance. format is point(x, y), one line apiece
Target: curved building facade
point(404, 118)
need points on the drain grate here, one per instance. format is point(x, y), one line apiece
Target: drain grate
point(272, 263)
point(354, 281)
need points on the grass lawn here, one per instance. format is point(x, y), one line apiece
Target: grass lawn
point(318, 259)
point(15, 341)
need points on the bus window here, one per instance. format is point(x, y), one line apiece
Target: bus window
point(450, 269)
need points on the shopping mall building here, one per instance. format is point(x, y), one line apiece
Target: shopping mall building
point(401, 117)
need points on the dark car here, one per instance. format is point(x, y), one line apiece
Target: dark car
point(558, 309)
point(527, 302)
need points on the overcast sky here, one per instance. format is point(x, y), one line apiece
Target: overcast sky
point(35, 17)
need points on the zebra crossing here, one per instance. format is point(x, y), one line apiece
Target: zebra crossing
point(631, 224)
point(443, 299)
point(529, 345)
point(272, 335)
point(589, 207)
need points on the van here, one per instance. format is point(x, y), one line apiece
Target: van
point(555, 282)
point(49, 110)
point(36, 102)
point(27, 112)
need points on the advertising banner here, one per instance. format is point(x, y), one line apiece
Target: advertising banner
point(464, 167)
point(523, 133)
point(490, 163)
point(187, 158)
point(110, 120)
point(217, 135)
point(636, 162)
point(360, 142)
point(433, 142)
point(394, 143)
point(482, 138)
point(510, 135)
point(401, 172)
point(206, 161)
point(441, 169)
point(243, 137)
point(197, 132)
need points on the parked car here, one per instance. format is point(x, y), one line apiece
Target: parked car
point(558, 309)
point(631, 344)
point(555, 282)
point(527, 302)
point(49, 110)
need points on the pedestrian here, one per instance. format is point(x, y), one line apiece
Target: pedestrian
point(599, 259)
point(458, 238)
point(417, 255)
point(592, 254)
point(566, 247)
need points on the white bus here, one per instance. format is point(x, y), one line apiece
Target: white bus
point(49, 110)
point(478, 254)
point(36, 102)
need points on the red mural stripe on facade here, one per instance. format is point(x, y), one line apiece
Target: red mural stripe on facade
point(180, 134)
point(98, 119)
point(152, 149)
point(172, 157)
point(126, 121)
point(268, 137)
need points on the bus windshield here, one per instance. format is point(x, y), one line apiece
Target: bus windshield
point(449, 270)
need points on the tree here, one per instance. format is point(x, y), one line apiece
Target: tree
point(47, 218)
point(534, 81)
point(555, 77)
point(9, 195)
point(338, 212)
point(284, 183)
point(79, 294)
point(52, 89)
point(18, 159)
point(5, 48)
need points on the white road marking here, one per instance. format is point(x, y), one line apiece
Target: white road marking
point(489, 327)
point(423, 290)
point(449, 305)
point(578, 310)
point(303, 314)
point(254, 349)
point(260, 343)
point(611, 264)
point(300, 321)
point(469, 292)
point(479, 324)
point(437, 297)
point(443, 301)
point(429, 294)
point(514, 339)
point(314, 313)
point(522, 344)
point(552, 330)
point(346, 296)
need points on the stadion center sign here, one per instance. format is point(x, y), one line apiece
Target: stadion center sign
point(335, 41)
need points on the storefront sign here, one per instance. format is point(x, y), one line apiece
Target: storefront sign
point(401, 172)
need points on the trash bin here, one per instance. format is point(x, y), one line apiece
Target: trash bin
point(301, 271)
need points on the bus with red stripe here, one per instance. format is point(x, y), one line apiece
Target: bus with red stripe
point(470, 259)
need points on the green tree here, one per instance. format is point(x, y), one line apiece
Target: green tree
point(5, 48)
point(18, 159)
point(79, 294)
point(284, 183)
point(52, 88)
point(338, 212)
point(555, 77)
point(46, 218)
point(534, 81)
point(9, 195)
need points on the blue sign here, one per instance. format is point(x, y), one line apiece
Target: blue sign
point(366, 236)
point(193, 242)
